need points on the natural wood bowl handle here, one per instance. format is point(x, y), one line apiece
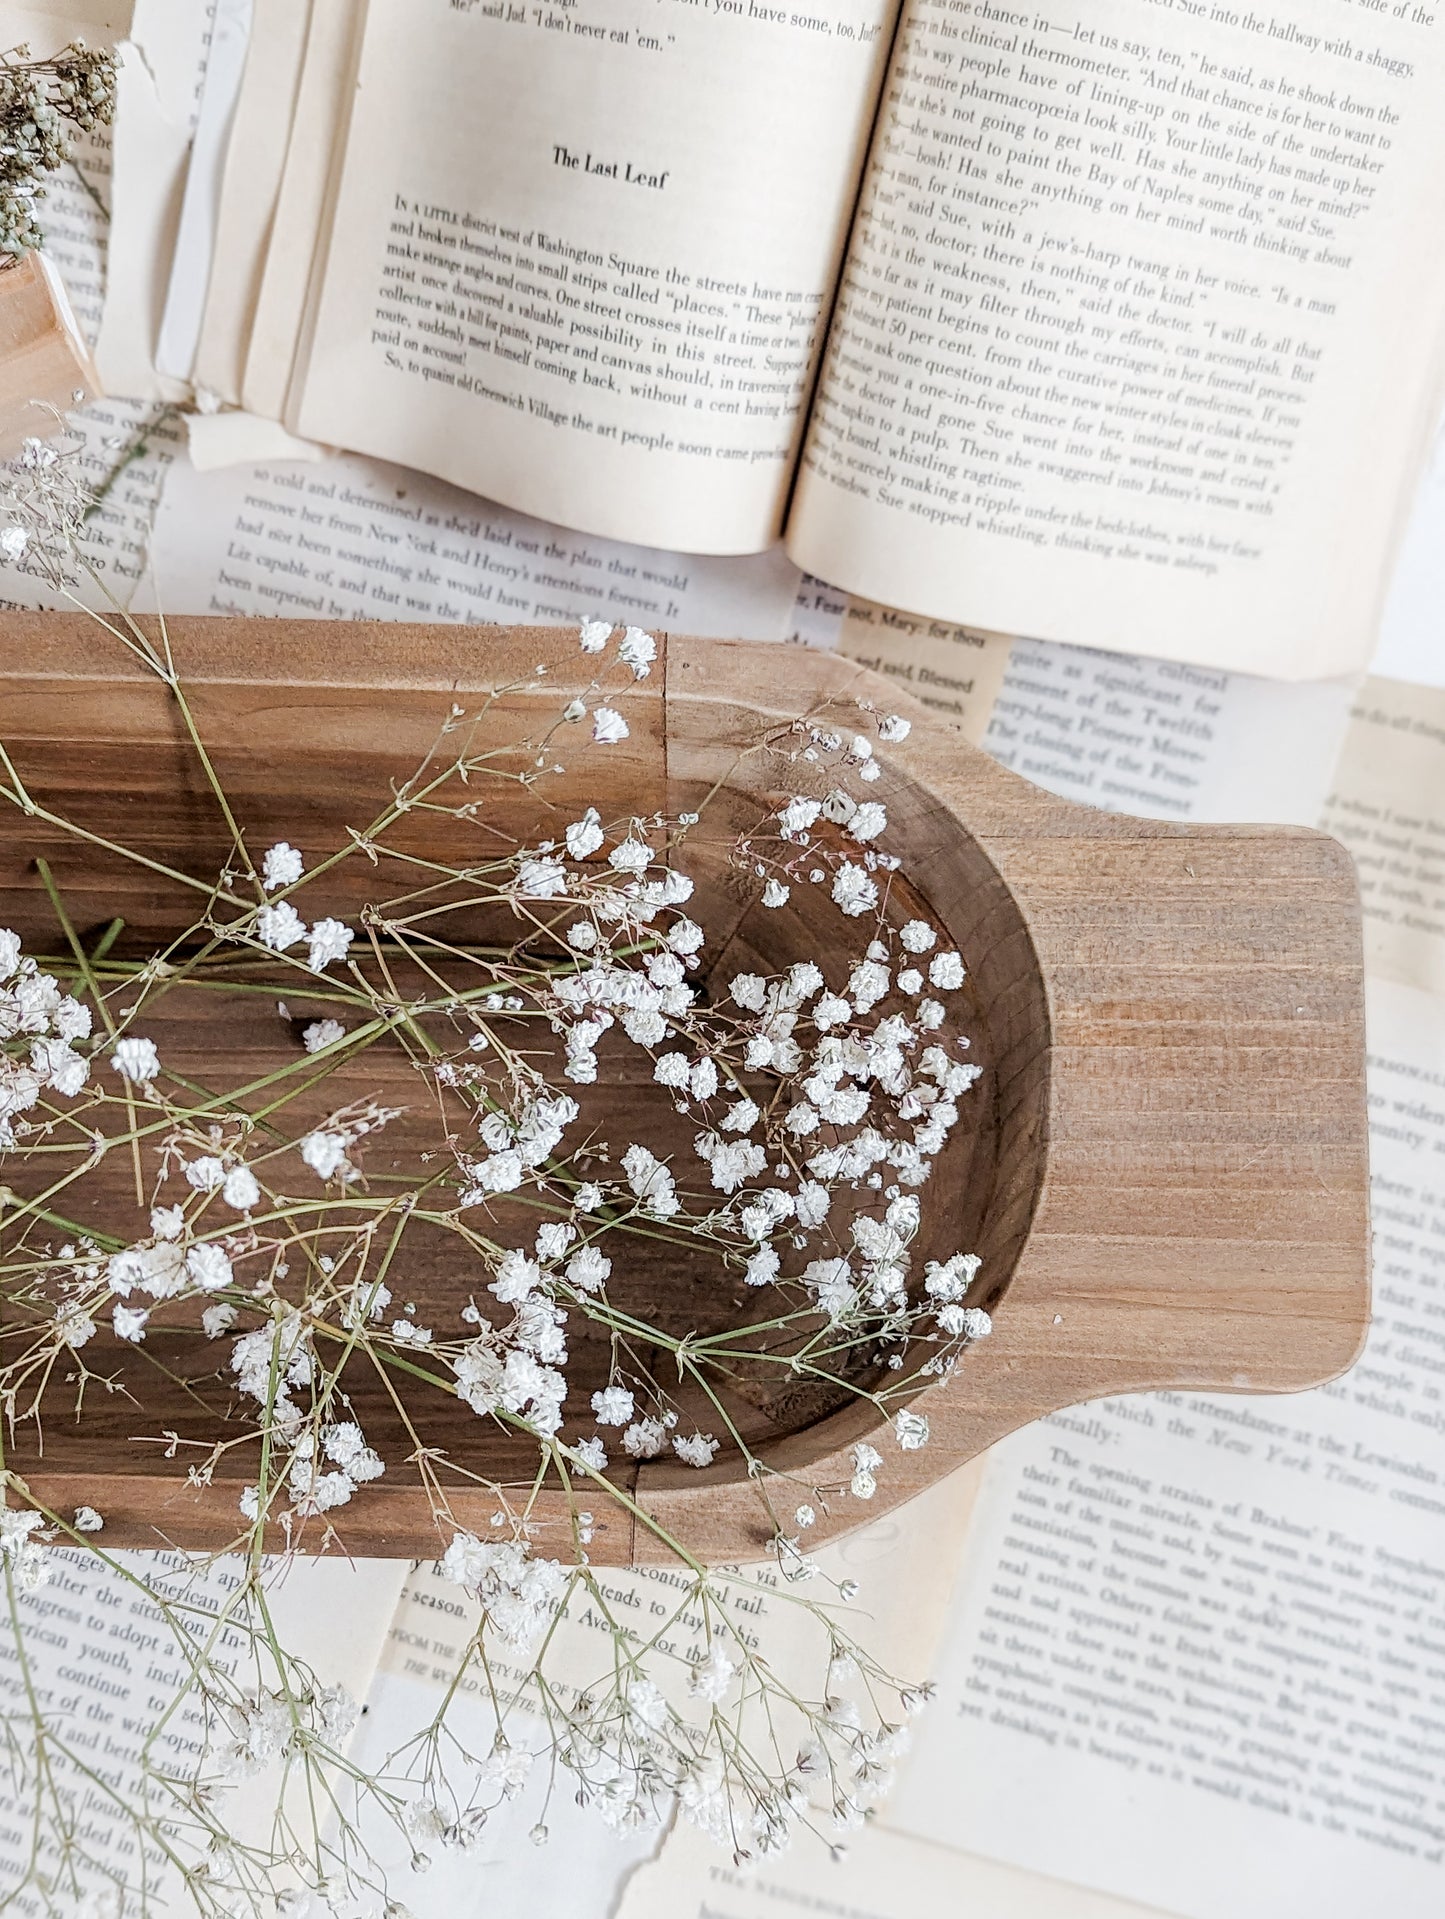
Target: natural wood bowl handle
point(1203, 1216)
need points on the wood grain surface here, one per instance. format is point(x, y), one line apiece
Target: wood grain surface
point(1164, 1167)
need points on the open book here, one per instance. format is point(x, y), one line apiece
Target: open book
point(1109, 324)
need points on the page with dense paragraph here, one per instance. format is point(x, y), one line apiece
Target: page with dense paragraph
point(103, 1663)
point(1387, 803)
point(355, 539)
point(1197, 1658)
point(1138, 294)
point(581, 259)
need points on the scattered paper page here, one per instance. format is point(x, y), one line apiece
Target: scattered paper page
point(1161, 738)
point(98, 1648)
point(956, 670)
point(250, 182)
point(880, 1875)
point(190, 273)
point(242, 439)
point(1412, 631)
point(354, 539)
point(818, 614)
point(1195, 1658)
point(905, 1564)
point(156, 88)
point(1388, 806)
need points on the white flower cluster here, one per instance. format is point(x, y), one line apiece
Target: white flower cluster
point(39, 1027)
point(518, 1593)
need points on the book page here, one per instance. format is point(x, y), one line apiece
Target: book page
point(195, 232)
point(904, 1564)
point(250, 184)
point(879, 1875)
point(956, 670)
point(1412, 633)
point(320, 116)
point(1147, 736)
point(1388, 806)
point(105, 1665)
point(1169, 740)
point(1195, 1658)
point(1135, 295)
point(158, 88)
point(596, 290)
point(353, 539)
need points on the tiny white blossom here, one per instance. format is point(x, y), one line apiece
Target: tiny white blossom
point(218, 1319)
point(613, 1406)
point(206, 1174)
point(330, 940)
point(594, 635)
point(582, 936)
point(866, 1460)
point(88, 1520)
point(608, 726)
point(541, 879)
point(918, 936)
point(73, 1327)
point(13, 542)
point(324, 1153)
point(592, 1453)
point(776, 894)
point(280, 926)
point(797, 816)
point(208, 1266)
point(697, 1450)
point(946, 972)
point(130, 1323)
point(631, 856)
point(911, 1431)
point(853, 890)
point(686, 936)
point(282, 866)
point(638, 650)
point(584, 836)
point(322, 1033)
point(713, 1676)
point(804, 1517)
point(893, 728)
point(136, 1060)
point(868, 822)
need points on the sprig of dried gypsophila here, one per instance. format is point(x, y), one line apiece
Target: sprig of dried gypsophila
point(530, 1016)
point(42, 103)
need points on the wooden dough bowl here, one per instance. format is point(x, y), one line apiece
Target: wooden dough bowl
point(1163, 1166)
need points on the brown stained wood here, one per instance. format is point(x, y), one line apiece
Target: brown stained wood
point(1166, 1172)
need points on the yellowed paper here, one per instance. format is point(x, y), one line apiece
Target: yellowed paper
point(1388, 806)
point(905, 1566)
point(596, 290)
point(957, 670)
point(317, 126)
point(881, 1875)
point(1110, 352)
point(251, 181)
point(155, 105)
point(235, 438)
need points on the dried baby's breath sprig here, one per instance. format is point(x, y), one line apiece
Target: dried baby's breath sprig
point(519, 1064)
point(42, 102)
